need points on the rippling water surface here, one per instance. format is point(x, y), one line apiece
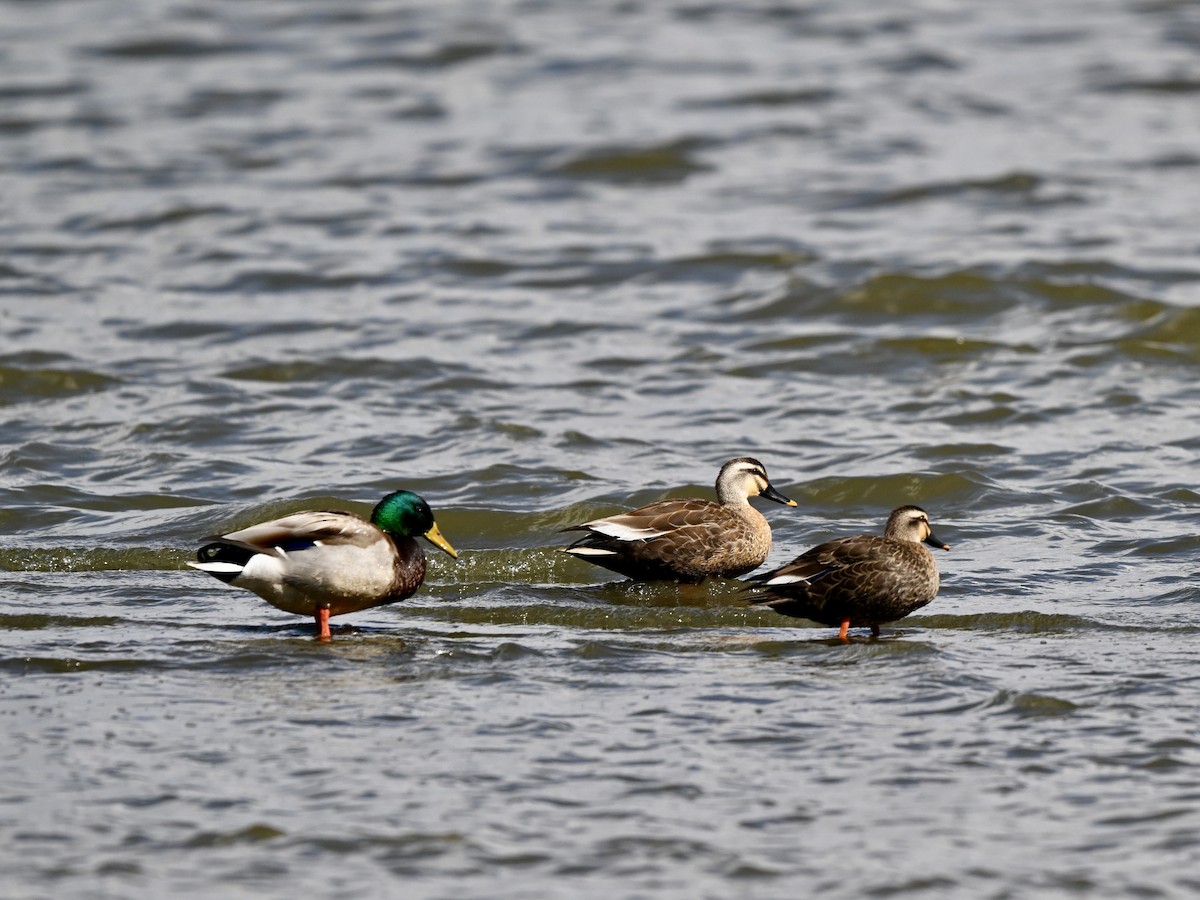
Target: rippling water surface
point(539, 261)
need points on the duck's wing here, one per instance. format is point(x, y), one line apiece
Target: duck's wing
point(307, 529)
point(849, 557)
point(680, 521)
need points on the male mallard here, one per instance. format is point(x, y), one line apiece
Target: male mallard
point(687, 540)
point(326, 563)
point(861, 580)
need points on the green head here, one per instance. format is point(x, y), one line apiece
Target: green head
point(404, 514)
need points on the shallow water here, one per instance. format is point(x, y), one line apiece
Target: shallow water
point(539, 261)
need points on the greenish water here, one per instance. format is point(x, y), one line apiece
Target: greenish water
point(541, 261)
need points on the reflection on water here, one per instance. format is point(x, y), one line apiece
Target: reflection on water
point(540, 262)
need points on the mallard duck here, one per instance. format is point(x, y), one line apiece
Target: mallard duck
point(327, 563)
point(687, 540)
point(860, 580)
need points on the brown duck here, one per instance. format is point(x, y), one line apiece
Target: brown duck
point(687, 540)
point(858, 581)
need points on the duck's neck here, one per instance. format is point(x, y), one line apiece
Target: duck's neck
point(748, 512)
point(409, 565)
point(732, 495)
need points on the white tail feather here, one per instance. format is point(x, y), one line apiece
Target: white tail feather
point(227, 568)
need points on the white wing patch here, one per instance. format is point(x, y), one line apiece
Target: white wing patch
point(787, 579)
point(589, 551)
point(619, 532)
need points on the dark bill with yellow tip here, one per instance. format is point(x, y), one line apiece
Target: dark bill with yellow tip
point(771, 494)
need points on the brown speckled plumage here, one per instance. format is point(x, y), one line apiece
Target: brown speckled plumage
point(865, 580)
point(687, 540)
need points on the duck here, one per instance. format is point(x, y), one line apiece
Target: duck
point(864, 580)
point(324, 563)
point(687, 540)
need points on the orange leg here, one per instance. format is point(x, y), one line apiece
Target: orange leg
point(845, 628)
point(323, 624)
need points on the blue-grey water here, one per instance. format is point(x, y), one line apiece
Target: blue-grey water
point(540, 260)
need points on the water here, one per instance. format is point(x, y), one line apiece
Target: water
point(540, 261)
